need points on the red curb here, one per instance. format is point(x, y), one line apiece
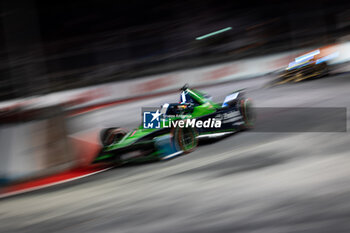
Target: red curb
point(60, 178)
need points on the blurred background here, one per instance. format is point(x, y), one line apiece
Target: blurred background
point(53, 46)
point(71, 68)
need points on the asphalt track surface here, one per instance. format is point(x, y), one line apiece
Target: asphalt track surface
point(249, 182)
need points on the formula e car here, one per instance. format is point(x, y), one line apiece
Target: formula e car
point(305, 67)
point(175, 128)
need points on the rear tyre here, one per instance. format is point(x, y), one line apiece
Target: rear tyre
point(113, 135)
point(185, 138)
point(247, 112)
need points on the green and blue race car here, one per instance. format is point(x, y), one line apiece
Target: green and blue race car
point(175, 128)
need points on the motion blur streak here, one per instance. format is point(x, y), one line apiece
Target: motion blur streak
point(213, 33)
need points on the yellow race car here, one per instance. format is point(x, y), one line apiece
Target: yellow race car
point(308, 66)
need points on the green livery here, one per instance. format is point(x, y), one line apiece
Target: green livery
point(143, 144)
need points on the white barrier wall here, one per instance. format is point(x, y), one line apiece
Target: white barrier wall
point(33, 145)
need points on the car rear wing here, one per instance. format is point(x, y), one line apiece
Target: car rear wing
point(232, 98)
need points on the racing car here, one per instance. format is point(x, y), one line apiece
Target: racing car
point(176, 128)
point(305, 67)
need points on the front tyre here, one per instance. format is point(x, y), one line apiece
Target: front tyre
point(113, 135)
point(185, 138)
